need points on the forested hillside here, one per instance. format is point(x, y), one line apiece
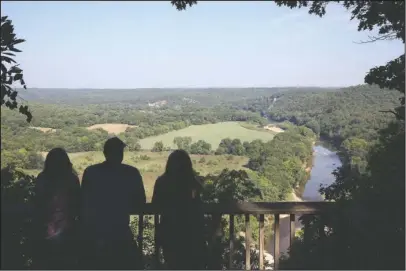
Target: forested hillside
point(348, 119)
point(141, 97)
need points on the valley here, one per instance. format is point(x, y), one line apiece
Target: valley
point(270, 147)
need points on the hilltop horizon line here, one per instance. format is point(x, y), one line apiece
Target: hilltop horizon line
point(215, 87)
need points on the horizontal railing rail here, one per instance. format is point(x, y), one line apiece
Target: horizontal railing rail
point(253, 208)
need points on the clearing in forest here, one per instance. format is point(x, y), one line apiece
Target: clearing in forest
point(211, 133)
point(273, 128)
point(112, 128)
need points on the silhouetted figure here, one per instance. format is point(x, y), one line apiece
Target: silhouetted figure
point(181, 231)
point(56, 208)
point(111, 191)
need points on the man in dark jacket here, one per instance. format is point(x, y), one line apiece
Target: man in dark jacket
point(111, 191)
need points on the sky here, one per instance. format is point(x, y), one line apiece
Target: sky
point(213, 44)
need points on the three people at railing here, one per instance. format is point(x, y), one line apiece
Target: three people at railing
point(88, 227)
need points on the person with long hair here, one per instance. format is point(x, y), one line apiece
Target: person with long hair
point(181, 229)
point(56, 210)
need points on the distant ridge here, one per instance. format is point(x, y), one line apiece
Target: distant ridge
point(143, 96)
point(187, 88)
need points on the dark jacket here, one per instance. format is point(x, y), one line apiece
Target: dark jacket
point(110, 193)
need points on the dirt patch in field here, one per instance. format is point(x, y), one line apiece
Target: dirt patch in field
point(44, 130)
point(112, 128)
point(273, 128)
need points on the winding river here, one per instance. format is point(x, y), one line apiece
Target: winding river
point(325, 162)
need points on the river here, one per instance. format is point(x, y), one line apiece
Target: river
point(325, 162)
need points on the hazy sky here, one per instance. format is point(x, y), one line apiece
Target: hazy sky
point(213, 44)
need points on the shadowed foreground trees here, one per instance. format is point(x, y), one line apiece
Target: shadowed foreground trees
point(16, 194)
point(10, 72)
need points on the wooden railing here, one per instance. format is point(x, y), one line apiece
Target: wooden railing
point(249, 208)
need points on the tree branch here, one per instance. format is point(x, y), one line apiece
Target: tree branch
point(389, 36)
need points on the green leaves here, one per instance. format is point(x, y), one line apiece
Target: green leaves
point(158, 147)
point(18, 41)
point(391, 76)
point(15, 50)
point(16, 190)
point(200, 147)
point(229, 186)
point(181, 5)
point(24, 110)
point(12, 74)
point(183, 143)
point(18, 76)
point(15, 69)
point(7, 59)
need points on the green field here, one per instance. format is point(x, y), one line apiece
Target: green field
point(211, 133)
point(152, 164)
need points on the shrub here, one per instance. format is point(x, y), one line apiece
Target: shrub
point(144, 157)
point(212, 163)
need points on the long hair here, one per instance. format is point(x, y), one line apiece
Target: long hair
point(58, 169)
point(179, 173)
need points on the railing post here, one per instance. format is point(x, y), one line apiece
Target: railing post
point(215, 251)
point(247, 242)
point(140, 238)
point(230, 263)
point(292, 229)
point(261, 241)
point(305, 221)
point(322, 233)
point(276, 249)
point(157, 250)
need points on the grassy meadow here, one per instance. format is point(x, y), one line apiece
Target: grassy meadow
point(211, 133)
point(152, 164)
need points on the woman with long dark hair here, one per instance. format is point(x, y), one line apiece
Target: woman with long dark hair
point(56, 209)
point(181, 230)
